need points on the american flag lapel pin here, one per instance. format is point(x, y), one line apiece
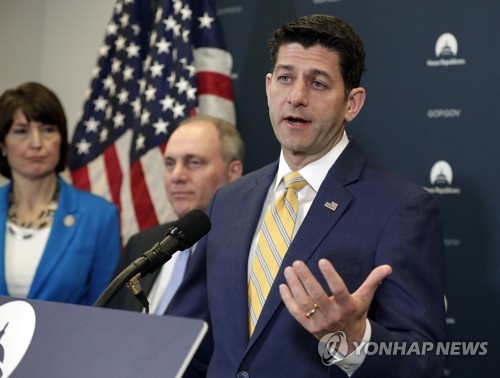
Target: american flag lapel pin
point(331, 205)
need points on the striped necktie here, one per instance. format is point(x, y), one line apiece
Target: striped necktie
point(273, 241)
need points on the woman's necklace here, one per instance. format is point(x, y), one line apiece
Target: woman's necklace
point(44, 218)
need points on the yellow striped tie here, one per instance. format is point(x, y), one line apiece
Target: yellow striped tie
point(273, 242)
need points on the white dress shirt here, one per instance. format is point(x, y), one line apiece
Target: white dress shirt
point(163, 280)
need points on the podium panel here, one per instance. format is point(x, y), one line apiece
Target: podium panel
point(55, 340)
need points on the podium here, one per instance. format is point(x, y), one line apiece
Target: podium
point(55, 340)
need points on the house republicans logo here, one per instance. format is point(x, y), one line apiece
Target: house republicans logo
point(333, 347)
point(441, 178)
point(446, 50)
point(17, 325)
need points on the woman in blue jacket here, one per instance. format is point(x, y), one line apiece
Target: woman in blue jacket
point(57, 243)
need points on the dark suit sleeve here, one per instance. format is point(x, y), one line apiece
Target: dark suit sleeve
point(409, 305)
point(191, 300)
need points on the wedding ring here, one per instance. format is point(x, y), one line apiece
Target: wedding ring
point(310, 313)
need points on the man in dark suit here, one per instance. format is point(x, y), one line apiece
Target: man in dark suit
point(365, 263)
point(202, 154)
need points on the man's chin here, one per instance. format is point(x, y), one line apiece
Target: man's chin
point(183, 209)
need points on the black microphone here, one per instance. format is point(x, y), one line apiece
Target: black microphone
point(183, 234)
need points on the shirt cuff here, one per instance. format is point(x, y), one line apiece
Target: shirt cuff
point(353, 361)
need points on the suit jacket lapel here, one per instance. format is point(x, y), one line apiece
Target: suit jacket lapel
point(64, 226)
point(319, 221)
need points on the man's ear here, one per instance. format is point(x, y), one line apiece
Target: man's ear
point(355, 102)
point(268, 83)
point(235, 170)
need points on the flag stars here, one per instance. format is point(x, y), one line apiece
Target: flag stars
point(160, 127)
point(96, 71)
point(185, 35)
point(206, 21)
point(128, 73)
point(123, 96)
point(103, 50)
point(118, 8)
point(182, 85)
point(125, 20)
point(119, 120)
point(100, 104)
point(186, 13)
point(136, 29)
point(115, 65)
point(107, 82)
point(140, 142)
point(177, 6)
point(91, 125)
point(191, 70)
point(109, 112)
point(136, 106)
point(111, 29)
point(171, 79)
point(169, 23)
point(83, 147)
point(145, 117)
point(142, 85)
point(177, 30)
point(150, 93)
point(153, 37)
point(178, 110)
point(191, 93)
point(159, 14)
point(147, 63)
point(156, 69)
point(103, 136)
point(133, 50)
point(120, 43)
point(163, 46)
point(167, 103)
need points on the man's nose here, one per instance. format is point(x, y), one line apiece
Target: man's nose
point(179, 172)
point(298, 94)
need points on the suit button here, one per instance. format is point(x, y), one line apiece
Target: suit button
point(243, 374)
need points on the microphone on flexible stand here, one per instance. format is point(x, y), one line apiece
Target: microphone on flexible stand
point(135, 287)
point(183, 234)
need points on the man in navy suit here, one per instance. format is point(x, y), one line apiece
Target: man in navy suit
point(366, 262)
point(202, 154)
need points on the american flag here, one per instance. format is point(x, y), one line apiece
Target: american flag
point(153, 71)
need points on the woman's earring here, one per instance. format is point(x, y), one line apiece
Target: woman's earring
point(4, 153)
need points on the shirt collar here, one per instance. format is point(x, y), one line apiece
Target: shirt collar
point(314, 172)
